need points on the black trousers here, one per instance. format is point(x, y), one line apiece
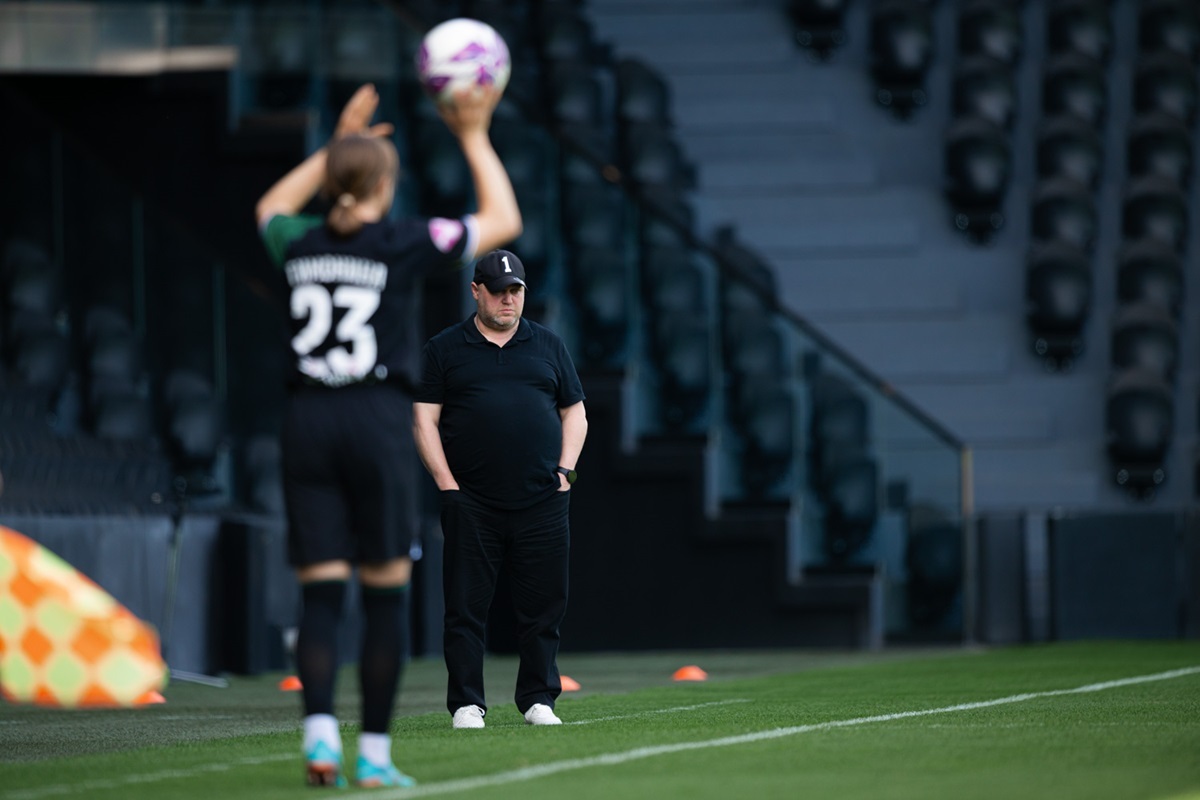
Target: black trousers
point(532, 545)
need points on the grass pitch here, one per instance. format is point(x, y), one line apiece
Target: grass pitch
point(1083, 720)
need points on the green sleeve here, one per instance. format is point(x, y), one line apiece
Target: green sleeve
point(282, 230)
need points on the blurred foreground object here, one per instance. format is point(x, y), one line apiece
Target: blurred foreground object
point(64, 641)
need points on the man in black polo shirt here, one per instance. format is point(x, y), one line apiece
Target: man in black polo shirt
point(499, 423)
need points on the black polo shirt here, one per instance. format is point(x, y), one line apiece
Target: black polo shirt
point(500, 424)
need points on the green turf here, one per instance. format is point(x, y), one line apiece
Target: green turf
point(812, 725)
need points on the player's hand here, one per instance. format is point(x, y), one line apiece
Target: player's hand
point(357, 114)
point(471, 109)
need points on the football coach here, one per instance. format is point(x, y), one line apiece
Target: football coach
point(499, 422)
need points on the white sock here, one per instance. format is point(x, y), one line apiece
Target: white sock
point(375, 747)
point(322, 728)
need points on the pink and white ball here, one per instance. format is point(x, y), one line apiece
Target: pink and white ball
point(461, 53)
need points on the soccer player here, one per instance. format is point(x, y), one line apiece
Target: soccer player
point(348, 453)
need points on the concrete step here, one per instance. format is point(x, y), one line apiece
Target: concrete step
point(813, 161)
point(782, 225)
point(832, 289)
point(931, 350)
point(708, 25)
point(1016, 408)
point(1036, 478)
point(940, 278)
point(706, 37)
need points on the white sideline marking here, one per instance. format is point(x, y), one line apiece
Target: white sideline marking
point(657, 711)
point(606, 759)
point(612, 759)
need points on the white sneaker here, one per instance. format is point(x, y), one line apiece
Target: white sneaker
point(469, 717)
point(539, 714)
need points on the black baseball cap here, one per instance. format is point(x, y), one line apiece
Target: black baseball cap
point(498, 270)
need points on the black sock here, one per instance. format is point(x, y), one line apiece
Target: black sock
point(384, 648)
point(316, 644)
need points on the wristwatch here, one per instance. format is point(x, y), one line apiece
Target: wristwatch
point(570, 473)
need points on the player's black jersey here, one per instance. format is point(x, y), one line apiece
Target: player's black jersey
point(354, 301)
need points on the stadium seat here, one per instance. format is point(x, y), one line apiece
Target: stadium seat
point(1139, 421)
point(599, 283)
point(1155, 208)
point(901, 51)
point(1160, 144)
point(1073, 83)
point(933, 560)
point(593, 215)
point(985, 87)
point(194, 430)
point(681, 350)
point(1150, 271)
point(537, 239)
point(752, 345)
point(41, 358)
point(280, 51)
point(990, 28)
point(671, 281)
point(262, 474)
point(33, 285)
point(103, 319)
point(818, 25)
point(667, 218)
point(851, 504)
point(1079, 26)
point(1067, 147)
point(838, 432)
point(1145, 337)
point(1058, 296)
point(683, 358)
point(1063, 210)
point(977, 159)
point(1169, 25)
point(642, 94)
point(762, 412)
point(524, 149)
point(114, 357)
point(1166, 82)
point(20, 252)
point(563, 33)
point(574, 95)
point(123, 415)
point(745, 266)
point(652, 156)
point(444, 180)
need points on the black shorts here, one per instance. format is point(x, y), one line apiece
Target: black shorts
point(349, 474)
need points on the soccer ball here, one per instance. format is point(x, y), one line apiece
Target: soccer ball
point(460, 53)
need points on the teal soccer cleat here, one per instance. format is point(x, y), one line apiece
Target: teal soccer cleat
point(324, 766)
point(370, 775)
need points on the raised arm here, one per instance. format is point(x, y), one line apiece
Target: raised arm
point(292, 192)
point(469, 117)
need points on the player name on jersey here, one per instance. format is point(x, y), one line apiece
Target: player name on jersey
point(337, 269)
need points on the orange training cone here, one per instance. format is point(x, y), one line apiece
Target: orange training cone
point(690, 673)
point(290, 684)
point(569, 684)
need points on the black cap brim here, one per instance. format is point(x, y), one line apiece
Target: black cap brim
point(497, 284)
